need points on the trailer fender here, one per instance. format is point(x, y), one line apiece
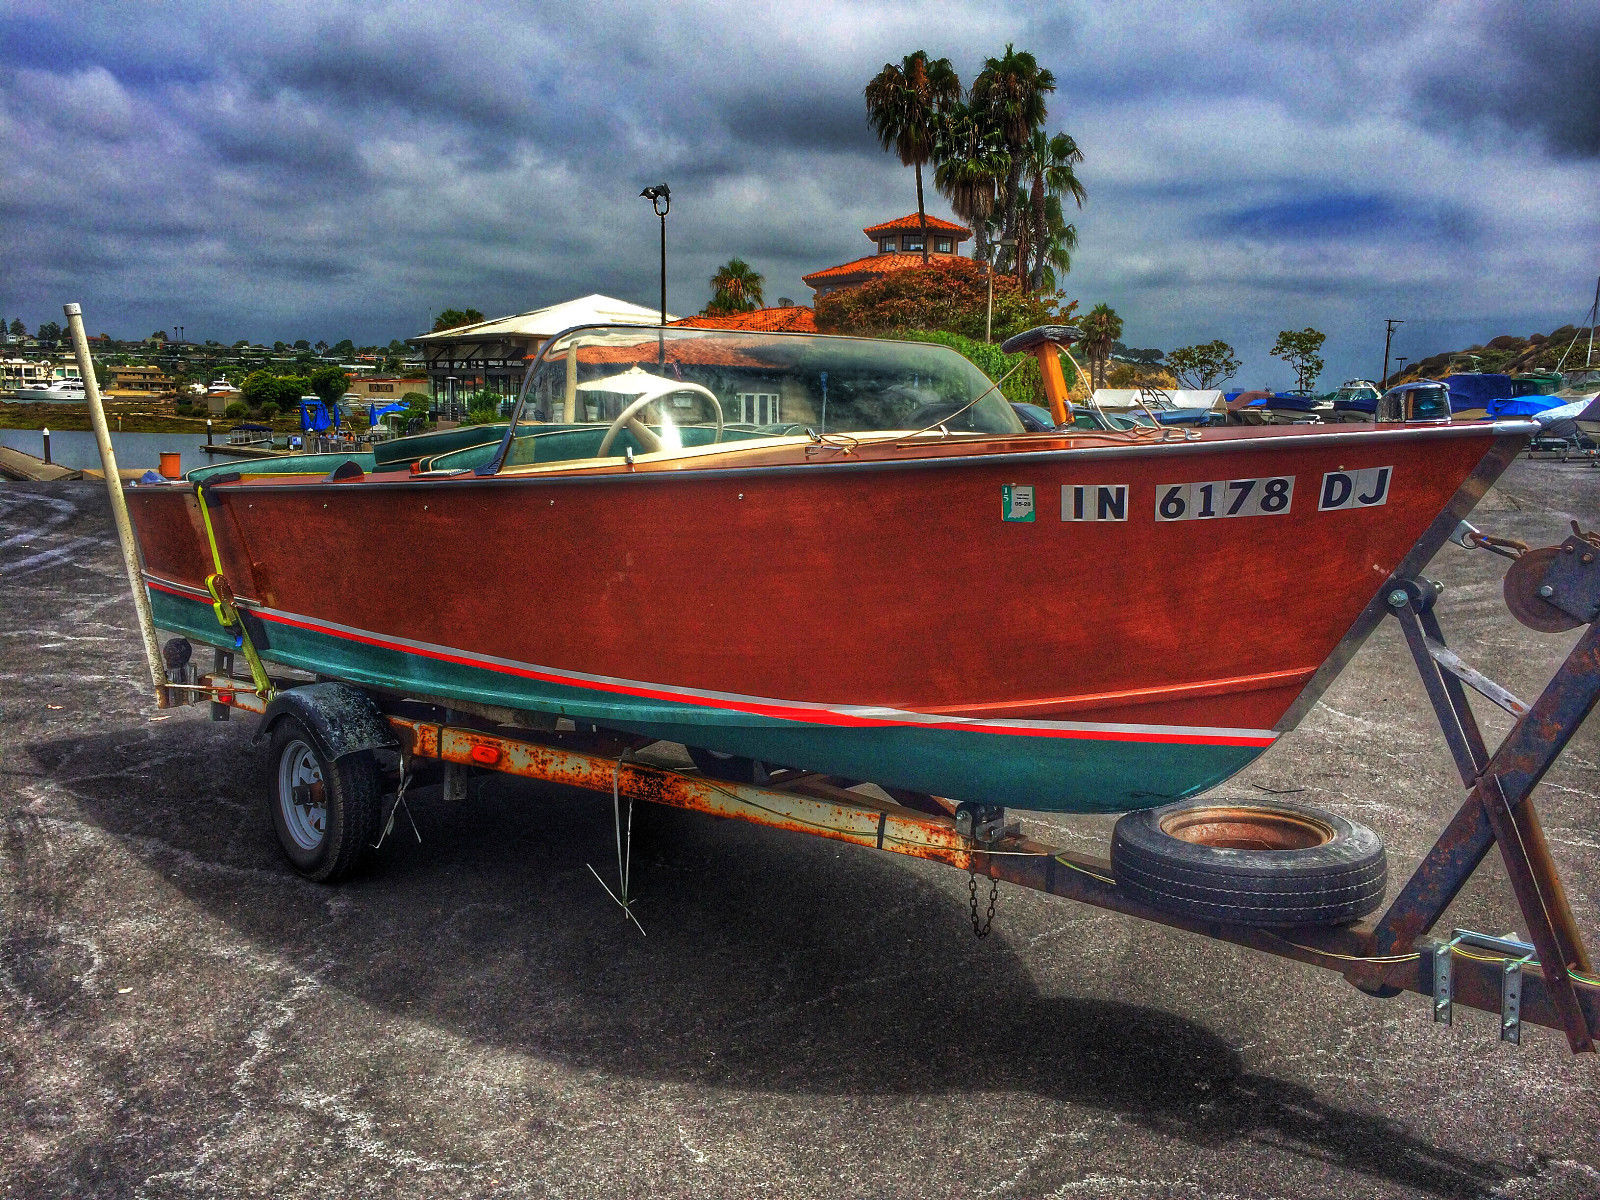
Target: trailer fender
point(342, 719)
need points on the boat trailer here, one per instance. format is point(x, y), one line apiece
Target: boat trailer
point(1548, 980)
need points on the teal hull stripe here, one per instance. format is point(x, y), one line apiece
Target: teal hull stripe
point(977, 761)
point(803, 711)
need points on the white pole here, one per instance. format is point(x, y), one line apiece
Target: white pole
point(119, 504)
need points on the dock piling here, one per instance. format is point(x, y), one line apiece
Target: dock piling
point(47, 447)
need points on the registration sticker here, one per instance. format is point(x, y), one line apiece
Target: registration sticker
point(1269, 497)
point(1355, 489)
point(1016, 501)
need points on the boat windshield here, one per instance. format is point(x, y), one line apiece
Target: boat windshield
point(601, 391)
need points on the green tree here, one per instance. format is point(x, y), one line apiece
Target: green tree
point(417, 406)
point(258, 388)
point(235, 410)
point(329, 384)
point(302, 344)
point(970, 165)
point(1204, 365)
point(1300, 350)
point(1010, 91)
point(453, 318)
point(18, 329)
point(735, 288)
point(903, 104)
point(344, 349)
point(1101, 329)
point(1048, 164)
point(50, 332)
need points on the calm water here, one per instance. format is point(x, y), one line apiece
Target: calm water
point(78, 449)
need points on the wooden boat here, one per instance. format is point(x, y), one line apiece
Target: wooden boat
point(835, 554)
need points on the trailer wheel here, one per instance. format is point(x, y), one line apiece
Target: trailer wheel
point(325, 814)
point(1250, 863)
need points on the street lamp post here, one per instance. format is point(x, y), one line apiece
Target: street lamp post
point(988, 312)
point(660, 197)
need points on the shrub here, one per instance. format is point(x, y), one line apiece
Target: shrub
point(268, 411)
point(235, 410)
point(1025, 386)
point(949, 295)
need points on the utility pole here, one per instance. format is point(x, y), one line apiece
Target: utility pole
point(1387, 338)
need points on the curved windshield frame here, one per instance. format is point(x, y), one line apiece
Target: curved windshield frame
point(692, 387)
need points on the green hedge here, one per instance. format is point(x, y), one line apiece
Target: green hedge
point(1026, 386)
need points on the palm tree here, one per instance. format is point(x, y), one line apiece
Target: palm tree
point(1048, 163)
point(735, 288)
point(1010, 91)
point(970, 162)
point(1053, 254)
point(1101, 328)
point(903, 104)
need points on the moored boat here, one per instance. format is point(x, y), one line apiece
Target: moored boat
point(59, 391)
point(835, 554)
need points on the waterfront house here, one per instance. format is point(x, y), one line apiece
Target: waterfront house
point(138, 382)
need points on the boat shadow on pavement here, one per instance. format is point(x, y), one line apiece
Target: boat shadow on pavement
point(772, 963)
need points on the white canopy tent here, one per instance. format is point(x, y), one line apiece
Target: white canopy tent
point(496, 352)
point(546, 322)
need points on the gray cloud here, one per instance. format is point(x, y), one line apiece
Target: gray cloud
point(277, 170)
point(1533, 68)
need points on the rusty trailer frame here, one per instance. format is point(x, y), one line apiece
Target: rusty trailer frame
point(1549, 982)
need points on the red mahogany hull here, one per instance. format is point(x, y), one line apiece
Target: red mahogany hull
point(787, 601)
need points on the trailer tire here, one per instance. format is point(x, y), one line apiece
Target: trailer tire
point(1250, 863)
point(324, 833)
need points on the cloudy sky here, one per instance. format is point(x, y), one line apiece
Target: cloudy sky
point(348, 169)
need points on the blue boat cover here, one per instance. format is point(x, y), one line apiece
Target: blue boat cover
point(1477, 390)
point(1522, 406)
point(1183, 416)
point(1296, 401)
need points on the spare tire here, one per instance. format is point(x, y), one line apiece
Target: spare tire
point(1250, 863)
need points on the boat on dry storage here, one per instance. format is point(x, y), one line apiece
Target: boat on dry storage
point(837, 554)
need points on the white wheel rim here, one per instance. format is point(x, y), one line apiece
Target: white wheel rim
point(306, 822)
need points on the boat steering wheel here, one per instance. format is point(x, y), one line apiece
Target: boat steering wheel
point(647, 438)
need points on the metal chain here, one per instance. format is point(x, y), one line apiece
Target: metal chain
point(981, 928)
point(1505, 547)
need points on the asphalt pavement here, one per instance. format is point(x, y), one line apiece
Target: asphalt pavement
point(180, 1015)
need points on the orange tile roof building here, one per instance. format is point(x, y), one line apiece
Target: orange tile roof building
point(899, 244)
point(789, 318)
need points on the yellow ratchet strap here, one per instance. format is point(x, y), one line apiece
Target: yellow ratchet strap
point(227, 612)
